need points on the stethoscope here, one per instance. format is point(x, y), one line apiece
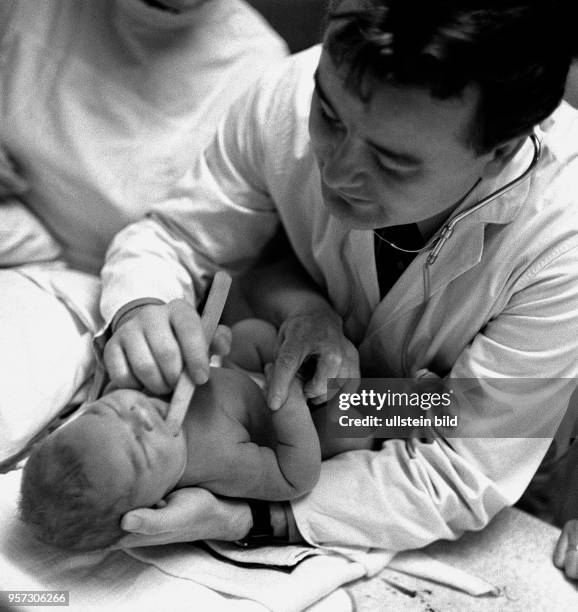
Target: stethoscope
point(448, 229)
point(445, 233)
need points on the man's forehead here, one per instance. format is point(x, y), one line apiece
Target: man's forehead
point(453, 116)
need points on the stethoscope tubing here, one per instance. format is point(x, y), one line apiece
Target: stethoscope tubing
point(448, 229)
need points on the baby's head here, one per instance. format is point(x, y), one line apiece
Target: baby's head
point(117, 455)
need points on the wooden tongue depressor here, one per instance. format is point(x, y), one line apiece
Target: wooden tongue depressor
point(209, 320)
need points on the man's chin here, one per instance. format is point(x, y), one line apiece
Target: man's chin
point(350, 217)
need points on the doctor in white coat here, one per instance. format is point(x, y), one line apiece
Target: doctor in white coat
point(426, 176)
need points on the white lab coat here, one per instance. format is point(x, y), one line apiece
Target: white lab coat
point(503, 303)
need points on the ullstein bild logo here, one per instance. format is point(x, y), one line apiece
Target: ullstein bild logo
point(453, 407)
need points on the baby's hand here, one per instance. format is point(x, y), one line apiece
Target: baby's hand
point(566, 552)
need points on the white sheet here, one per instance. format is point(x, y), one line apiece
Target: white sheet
point(179, 577)
point(184, 576)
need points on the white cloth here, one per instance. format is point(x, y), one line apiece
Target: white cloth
point(41, 364)
point(178, 577)
point(102, 106)
point(503, 303)
point(23, 239)
point(105, 104)
point(281, 578)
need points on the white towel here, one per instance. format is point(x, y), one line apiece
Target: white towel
point(177, 577)
point(185, 576)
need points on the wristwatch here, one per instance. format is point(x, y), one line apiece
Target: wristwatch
point(261, 533)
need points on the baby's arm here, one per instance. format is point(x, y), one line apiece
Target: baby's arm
point(331, 445)
point(253, 345)
point(289, 469)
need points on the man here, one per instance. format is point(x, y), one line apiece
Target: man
point(104, 105)
point(403, 162)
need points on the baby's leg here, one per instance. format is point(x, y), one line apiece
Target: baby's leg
point(253, 346)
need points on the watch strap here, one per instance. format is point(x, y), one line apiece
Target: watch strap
point(261, 533)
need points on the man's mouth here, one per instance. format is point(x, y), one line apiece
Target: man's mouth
point(349, 199)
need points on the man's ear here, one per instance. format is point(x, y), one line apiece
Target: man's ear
point(501, 156)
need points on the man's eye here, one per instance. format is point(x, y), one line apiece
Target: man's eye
point(395, 170)
point(327, 116)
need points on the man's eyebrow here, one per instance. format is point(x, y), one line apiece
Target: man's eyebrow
point(397, 156)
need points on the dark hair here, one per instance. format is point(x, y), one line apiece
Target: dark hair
point(518, 53)
point(59, 503)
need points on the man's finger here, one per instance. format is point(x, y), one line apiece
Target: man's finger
point(560, 550)
point(328, 366)
point(137, 540)
point(572, 552)
point(179, 512)
point(187, 328)
point(167, 354)
point(284, 369)
point(145, 522)
point(117, 366)
point(143, 364)
point(572, 564)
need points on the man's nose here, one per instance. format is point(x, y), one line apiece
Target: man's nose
point(343, 168)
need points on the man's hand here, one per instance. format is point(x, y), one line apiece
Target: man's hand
point(152, 343)
point(316, 335)
point(189, 515)
point(566, 552)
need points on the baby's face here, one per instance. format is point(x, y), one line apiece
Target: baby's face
point(130, 446)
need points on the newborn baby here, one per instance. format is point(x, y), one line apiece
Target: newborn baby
point(120, 454)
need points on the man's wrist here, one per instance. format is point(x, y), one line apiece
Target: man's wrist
point(123, 313)
point(237, 519)
point(270, 523)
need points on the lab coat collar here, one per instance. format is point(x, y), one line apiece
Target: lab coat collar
point(505, 208)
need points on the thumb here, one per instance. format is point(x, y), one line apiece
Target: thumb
point(144, 521)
